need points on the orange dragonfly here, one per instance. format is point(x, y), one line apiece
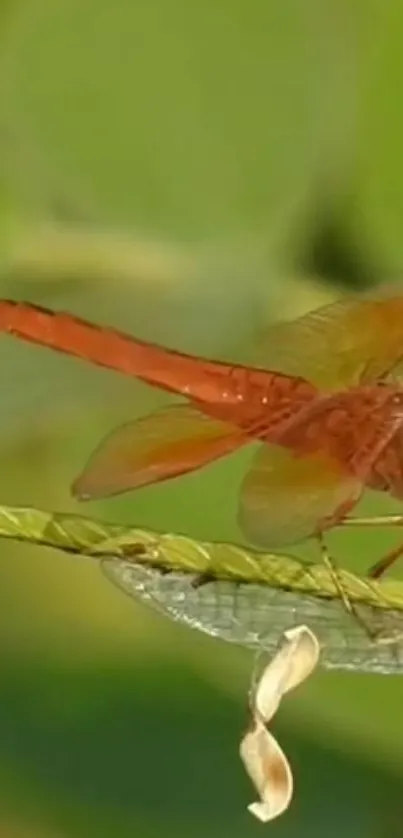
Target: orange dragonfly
point(329, 412)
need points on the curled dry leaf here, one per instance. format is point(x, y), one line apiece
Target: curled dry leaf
point(260, 752)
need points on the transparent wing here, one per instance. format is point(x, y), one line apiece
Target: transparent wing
point(172, 441)
point(285, 499)
point(352, 341)
point(256, 615)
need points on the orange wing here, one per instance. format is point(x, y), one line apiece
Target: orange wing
point(285, 499)
point(317, 472)
point(172, 441)
point(355, 340)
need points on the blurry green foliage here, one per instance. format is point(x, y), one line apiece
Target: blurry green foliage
point(208, 129)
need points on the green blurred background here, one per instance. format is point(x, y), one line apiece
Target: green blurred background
point(190, 172)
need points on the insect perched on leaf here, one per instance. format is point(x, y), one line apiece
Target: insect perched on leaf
point(328, 410)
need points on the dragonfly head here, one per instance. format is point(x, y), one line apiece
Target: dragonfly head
point(397, 398)
point(396, 403)
point(391, 396)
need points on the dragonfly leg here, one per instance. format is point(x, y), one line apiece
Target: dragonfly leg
point(380, 567)
point(374, 634)
point(330, 564)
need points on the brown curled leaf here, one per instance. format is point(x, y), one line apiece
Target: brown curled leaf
point(264, 760)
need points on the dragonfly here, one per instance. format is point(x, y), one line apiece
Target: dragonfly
point(324, 400)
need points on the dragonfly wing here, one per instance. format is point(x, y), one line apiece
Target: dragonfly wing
point(356, 340)
point(172, 441)
point(322, 461)
point(285, 498)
